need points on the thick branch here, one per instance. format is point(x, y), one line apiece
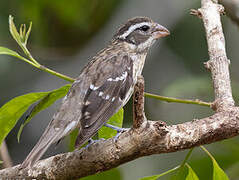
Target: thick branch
point(151, 138)
point(218, 63)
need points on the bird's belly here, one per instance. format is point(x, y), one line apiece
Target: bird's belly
point(138, 66)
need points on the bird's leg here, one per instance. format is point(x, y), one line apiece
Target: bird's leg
point(119, 130)
point(116, 128)
point(92, 141)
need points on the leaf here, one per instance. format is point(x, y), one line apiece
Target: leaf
point(13, 30)
point(191, 174)
point(14, 109)
point(155, 177)
point(7, 51)
point(115, 120)
point(218, 173)
point(28, 32)
point(185, 172)
point(48, 100)
point(180, 174)
point(22, 32)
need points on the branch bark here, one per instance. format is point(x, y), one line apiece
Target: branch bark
point(4, 154)
point(218, 63)
point(153, 137)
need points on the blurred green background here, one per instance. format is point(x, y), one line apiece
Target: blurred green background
point(66, 34)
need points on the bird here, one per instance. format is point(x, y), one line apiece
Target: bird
point(104, 86)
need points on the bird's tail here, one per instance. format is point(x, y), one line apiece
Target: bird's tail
point(40, 148)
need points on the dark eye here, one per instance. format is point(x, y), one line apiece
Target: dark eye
point(144, 28)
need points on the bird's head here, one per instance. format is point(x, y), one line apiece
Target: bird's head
point(140, 33)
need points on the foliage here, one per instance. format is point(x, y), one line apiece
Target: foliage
point(185, 172)
point(14, 109)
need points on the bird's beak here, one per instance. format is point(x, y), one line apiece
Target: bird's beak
point(160, 31)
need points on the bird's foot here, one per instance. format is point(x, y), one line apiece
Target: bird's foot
point(119, 130)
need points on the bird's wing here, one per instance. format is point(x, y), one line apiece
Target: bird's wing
point(112, 83)
point(85, 106)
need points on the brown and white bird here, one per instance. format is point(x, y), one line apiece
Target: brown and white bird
point(105, 85)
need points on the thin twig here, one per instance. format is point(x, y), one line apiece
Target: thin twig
point(177, 100)
point(138, 103)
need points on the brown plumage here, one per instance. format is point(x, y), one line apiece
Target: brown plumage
point(104, 86)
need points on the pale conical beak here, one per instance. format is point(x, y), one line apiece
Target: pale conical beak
point(160, 31)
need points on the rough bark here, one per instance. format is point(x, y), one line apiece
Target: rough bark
point(154, 137)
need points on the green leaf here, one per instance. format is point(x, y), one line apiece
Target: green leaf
point(155, 177)
point(115, 120)
point(28, 32)
point(218, 173)
point(7, 51)
point(191, 174)
point(22, 32)
point(14, 109)
point(180, 174)
point(13, 30)
point(185, 172)
point(44, 103)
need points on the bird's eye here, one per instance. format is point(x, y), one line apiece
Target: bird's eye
point(144, 28)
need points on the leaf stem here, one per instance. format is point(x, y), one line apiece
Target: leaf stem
point(186, 158)
point(177, 100)
point(180, 170)
point(41, 67)
point(62, 76)
point(26, 51)
point(208, 153)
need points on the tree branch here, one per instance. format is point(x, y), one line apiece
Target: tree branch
point(153, 137)
point(138, 103)
point(218, 63)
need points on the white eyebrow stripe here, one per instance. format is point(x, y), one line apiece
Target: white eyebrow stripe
point(132, 28)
